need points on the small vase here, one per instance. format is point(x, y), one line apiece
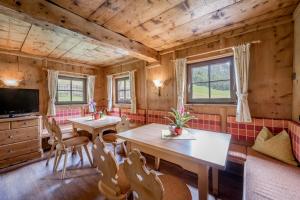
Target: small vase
point(178, 131)
point(96, 116)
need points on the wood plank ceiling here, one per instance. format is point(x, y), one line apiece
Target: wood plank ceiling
point(157, 24)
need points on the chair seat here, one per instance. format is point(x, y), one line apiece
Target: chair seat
point(65, 136)
point(76, 141)
point(175, 189)
point(112, 138)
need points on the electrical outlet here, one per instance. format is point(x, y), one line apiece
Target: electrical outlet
point(299, 118)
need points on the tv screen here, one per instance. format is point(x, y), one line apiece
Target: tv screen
point(18, 101)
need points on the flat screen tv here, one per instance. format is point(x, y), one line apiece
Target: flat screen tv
point(18, 101)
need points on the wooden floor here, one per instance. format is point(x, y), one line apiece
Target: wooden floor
point(36, 181)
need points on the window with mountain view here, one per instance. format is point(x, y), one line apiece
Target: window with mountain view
point(71, 90)
point(211, 81)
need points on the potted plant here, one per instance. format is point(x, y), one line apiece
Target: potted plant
point(178, 120)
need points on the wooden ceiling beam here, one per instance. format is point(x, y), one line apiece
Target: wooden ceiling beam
point(61, 61)
point(51, 16)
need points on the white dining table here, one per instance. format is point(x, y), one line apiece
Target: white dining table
point(94, 126)
point(207, 150)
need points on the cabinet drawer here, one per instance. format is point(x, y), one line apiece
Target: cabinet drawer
point(4, 126)
point(18, 135)
point(11, 161)
point(17, 149)
point(24, 123)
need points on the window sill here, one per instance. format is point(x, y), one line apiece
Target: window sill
point(70, 105)
point(211, 104)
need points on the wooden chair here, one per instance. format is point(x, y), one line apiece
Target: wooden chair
point(52, 141)
point(63, 146)
point(147, 185)
point(112, 138)
point(113, 183)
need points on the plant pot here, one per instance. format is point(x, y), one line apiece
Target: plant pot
point(178, 131)
point(96, 116)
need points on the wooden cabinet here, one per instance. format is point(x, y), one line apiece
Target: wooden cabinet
point(19, 140)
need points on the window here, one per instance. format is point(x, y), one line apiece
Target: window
point(211, 81)
point(123, 90)
point(71, 90)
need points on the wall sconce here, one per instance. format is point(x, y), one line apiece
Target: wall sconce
point(11, 82)
point(158, 84)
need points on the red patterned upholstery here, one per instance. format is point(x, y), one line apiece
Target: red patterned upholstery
point(136, 118)
point(206, 122)
point(115, 112)
point(294, 129)
point(156, 116)
point(247, 132)
point(66, 112)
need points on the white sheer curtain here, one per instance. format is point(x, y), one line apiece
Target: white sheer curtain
point(109, 92)
point(52, 89)
point(132, 91)
point(180, 70)
point(90, 91)
point(241, 64)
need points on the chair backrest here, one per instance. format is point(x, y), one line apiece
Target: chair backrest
point(123, 125)
point(145, 183)
point(56, 131)
point(48, 126)
point(106, 165)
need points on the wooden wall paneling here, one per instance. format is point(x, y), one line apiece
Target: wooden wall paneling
point(296, 70)
point(170, 19)
point(83, 8)
point(107, 10)
point(138, 12)
point(236, 17)
point(41, 41)
point(270, 84)
point(12, 32)
point(60, 20)
point(165, 72)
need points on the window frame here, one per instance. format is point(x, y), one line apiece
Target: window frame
point(189, 92)
point(117, 100)
point(71, 90)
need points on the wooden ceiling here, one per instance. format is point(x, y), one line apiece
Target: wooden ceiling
point(113, 31)
point(165, 24)
point(21, 36)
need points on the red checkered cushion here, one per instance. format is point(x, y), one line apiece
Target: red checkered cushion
point(294, 130)
point(247, 132)
point(66, 112)
point(137, 118)
point(206, 122)
point(114, 112)
point(157, 116)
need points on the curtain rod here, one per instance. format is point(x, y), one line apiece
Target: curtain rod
point(70, 73)
point(223, 49)
point(119, 73)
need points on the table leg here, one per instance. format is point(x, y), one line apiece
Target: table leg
point(203, 182)
point(215, 181)
point(156, 164)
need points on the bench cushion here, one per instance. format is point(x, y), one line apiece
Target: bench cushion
point(266, 178)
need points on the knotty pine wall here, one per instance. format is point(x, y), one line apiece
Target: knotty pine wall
point(296, 81)
point(270, 84)
point(34, 75)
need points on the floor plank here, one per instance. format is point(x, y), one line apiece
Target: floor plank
point(36, 181)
